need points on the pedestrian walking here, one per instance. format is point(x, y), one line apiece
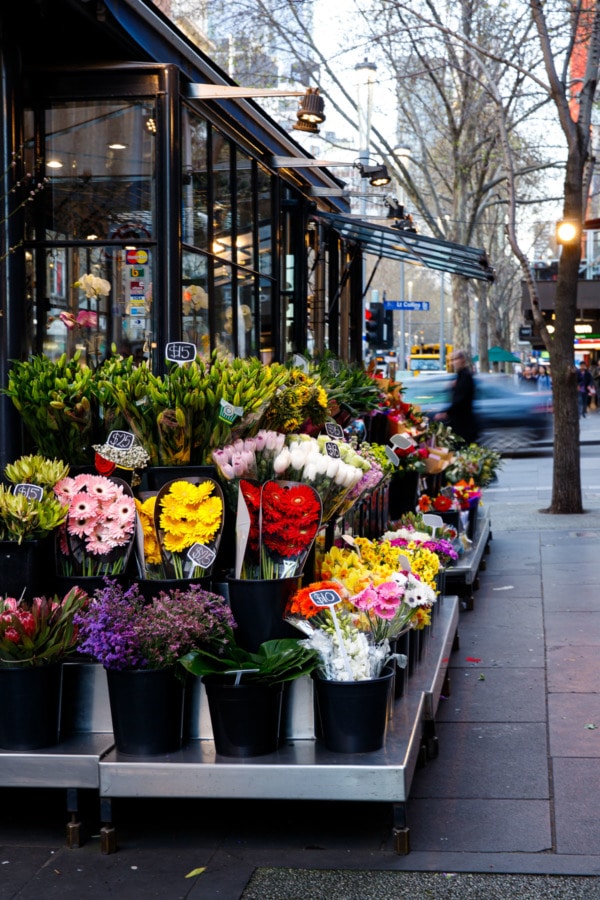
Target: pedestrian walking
point(585, 383)
point(460, 415)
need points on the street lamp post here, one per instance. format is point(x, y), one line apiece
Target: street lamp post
point(364, 82)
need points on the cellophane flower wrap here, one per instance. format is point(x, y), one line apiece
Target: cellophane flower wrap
point(372, 564)
point(98, 534)
point(39, 631)
point(380, 467)
point(346, 651)
point(181, 527)
point(121, 630)
point(330, 466)
point(284, 518)
point(408, 538)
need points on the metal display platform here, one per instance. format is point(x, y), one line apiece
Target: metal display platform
point(86, 736)
point(301, 769)
point(463, 577)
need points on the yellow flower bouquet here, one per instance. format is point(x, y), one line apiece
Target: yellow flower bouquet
point(181, 529)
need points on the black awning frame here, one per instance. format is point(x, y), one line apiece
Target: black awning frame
point(407, 246)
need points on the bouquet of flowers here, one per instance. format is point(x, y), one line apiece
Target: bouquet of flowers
point(374, 563)
point(346, 651)
point(332, 467)
point(302, 400)
point(410, 538)
point(110, 459)
point(31, 513)
point(474, 464)
point(251, 458)
point(181, 529)
point(122, 631)
point(97, 536)
point(380, 467)
point(282, 519)
point(445, 501)
point(41, 631)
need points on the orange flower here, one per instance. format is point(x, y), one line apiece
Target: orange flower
point(301, 604)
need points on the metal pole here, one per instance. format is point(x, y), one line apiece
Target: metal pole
point(365, 81)
point(442, 336)
point(403, 338)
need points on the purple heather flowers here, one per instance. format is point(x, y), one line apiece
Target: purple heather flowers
point(122, 630)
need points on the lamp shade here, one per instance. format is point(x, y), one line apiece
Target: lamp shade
point(378, 175)
point(311, 107)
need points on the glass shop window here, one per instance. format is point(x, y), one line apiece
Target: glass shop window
point(95, 291)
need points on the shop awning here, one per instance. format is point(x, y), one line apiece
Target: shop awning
point(417, 249)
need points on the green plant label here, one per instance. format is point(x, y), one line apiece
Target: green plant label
point(229, 413)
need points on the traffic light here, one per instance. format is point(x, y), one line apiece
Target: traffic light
point(388, 329)
point(374, 324)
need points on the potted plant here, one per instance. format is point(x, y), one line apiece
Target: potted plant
point(283, 487)
point(56, 400)
point(245, 690)
point(35, 638)
point(139, 643)
point(29, 515)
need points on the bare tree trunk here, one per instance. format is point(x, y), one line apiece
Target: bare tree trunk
point(566, 479)
point(461, 326)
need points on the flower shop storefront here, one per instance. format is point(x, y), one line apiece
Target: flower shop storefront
point(202, 504)
point(140, 215)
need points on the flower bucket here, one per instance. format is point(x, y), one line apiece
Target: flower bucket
point(149, 588)
point(401, 645)
point(31, 698)
point(155, 477)
point(472, 520)
point(403, 494)
point(65, 583)
point(258, 608)
point(27, 567)
point(146, 708)
point(245, 717)
point(353, 715)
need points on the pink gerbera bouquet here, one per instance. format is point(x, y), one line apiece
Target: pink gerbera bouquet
point(97, 537)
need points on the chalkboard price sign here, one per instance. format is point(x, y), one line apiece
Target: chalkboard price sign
point(201, 555)
point(332, 450)
point(326, 597)
point(31, 491)
point(334, 431)
point(121, 440)
point(180, 352)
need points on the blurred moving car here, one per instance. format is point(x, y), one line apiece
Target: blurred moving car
point(510, 420)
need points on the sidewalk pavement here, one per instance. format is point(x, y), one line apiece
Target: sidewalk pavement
point(509, 807)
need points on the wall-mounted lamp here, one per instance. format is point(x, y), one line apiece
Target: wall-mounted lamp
point(568, 231)
point(310, 112)
point(378, 175)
